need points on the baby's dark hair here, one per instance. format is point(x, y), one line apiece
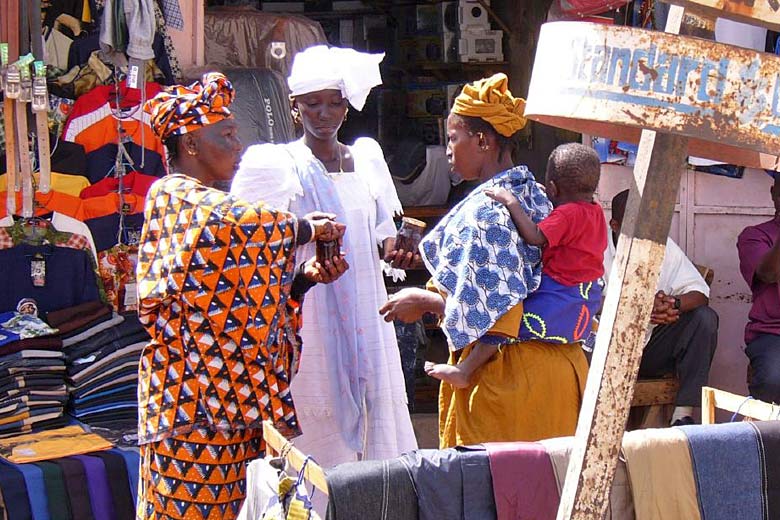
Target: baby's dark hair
point(575, 168)
point(475, 125)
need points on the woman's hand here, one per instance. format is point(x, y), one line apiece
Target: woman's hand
point(409, 305)
point(325, 226)
point(328, 273)
point(398, 258)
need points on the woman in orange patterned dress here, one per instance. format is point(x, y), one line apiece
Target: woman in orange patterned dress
point(219, 292)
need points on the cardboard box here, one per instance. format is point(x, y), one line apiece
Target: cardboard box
point(481, 46)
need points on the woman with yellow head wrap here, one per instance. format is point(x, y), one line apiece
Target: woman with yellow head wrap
point(481, 273)
point(218, 288)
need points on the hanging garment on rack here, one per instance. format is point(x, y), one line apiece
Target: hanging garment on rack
point(133, 182)
point(93, 123)
point(55, 277)
point(661, 474)
point(454, 483)
point(523, 481)
point(64, 183)
point(727, 469)
point(377, 489)
point(127, 27)
point(110, 229)
point(272, 494)
point(81, 209)
point(63, 223)
point(117, 271)
point(769, 440)
point(621, 505)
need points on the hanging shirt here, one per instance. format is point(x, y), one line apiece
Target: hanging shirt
point(108, 231)
point(81, 209)
point(64, 224)
point(70, 184)
point(133, 182)
point(55, 277)
point(94, 123)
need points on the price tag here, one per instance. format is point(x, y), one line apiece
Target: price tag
point(131, 297)
point(38, 271)
point(132, 76)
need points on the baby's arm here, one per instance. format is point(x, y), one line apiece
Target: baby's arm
point(525, 226)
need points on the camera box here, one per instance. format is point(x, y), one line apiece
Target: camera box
point(480, 46)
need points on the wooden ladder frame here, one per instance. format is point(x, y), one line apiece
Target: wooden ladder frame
point(277, 444)
point(712, 398)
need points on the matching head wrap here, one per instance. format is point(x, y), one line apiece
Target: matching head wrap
point(323, 68)
point(491, 100)
point(179, 109)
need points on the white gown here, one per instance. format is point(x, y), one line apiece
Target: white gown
point(368, 198)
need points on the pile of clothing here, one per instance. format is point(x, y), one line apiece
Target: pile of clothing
point(102, 370)
point(32, 374)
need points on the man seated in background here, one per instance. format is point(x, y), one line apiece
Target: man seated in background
point(759, 262)
point(684, 327)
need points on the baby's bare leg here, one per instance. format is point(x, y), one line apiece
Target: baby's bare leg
point(459, 375)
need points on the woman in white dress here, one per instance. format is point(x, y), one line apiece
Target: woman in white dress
point(349, 392)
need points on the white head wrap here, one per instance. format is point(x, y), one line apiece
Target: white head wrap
point(321, 68)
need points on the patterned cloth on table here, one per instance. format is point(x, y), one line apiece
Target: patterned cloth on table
point(477, 257)
point(214, 275)
point(15, 326)
point(196, 475)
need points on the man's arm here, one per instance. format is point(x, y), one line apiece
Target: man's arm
point(768, 268)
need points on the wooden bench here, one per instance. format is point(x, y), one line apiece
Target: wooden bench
point(653, 402)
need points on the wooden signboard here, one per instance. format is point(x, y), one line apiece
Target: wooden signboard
point(614, 82)
point(765, 13)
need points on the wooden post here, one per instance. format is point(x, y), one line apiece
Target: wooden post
point(707, 405)
point(624, 320)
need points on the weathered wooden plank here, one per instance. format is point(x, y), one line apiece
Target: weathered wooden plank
point(624, 320)
point(615, 81)
point(627, 308)
point(649, 392)
point(765, 13)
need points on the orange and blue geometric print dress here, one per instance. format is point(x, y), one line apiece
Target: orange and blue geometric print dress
point(214, 276)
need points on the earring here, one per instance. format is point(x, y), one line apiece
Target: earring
point(192, 152)
point(296, 115)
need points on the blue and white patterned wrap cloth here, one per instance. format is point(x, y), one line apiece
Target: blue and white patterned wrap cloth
point(476, 256)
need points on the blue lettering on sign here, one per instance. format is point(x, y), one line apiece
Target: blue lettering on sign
point(690, 84)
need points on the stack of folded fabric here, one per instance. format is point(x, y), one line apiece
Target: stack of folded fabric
point(102, 372)
point(32, 374)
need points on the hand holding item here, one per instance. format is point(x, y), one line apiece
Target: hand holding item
point(401, 253)
point(409, 305)
point(325, 227)
point(327, 272)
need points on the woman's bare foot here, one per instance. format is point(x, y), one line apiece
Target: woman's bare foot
point(451, 374)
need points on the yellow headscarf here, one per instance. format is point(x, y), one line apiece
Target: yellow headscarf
point(491, 100)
